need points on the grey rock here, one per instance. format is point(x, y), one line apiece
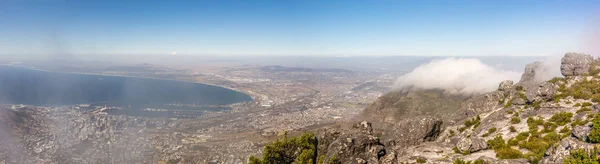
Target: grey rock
point(489, 160)
point(563, 149)
point(581, 132)
point(356, 145)
point(543, 92)
point(505, 85)
point(596, 107)
point(575, 64)
point(519, 101)
point(471, 144)
point(529, 78)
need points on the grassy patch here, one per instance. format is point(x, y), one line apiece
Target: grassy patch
point(561, 118)
point(515, 120)
point(584, 109)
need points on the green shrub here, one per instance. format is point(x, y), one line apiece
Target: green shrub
point(533, 123)
point(594, 134)
point(509, 103)
point(522, 96)
point(462, 129)
point(579, 122)
point(455, 149)
point(496, 143)
point(552, 137)
point(460, 161)
point(561, 118)
point(565, 130)
point(585, 104)
point(515, 120)
point(512, 142)
point(475, 122)
point(421, 160)
point(300, 149)
point(512, 129)
point(508, 153)
point(577, 105)
point(321, 159)
point(549, 127)
point(334, 160)
point(522, 136)
point(537, 104)
point(584, 109)
point(490, 131)
point(451, 132)
point(581, 156)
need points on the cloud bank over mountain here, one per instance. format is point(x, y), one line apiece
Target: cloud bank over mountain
point(456, 76)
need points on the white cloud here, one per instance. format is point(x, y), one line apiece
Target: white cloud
point(457, 76)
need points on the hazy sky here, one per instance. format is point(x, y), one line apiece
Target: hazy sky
point(305, 27)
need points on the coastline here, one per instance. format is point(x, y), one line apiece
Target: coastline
point(136, 77)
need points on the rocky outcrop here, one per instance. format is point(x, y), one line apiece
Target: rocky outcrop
point(556, 154)
point(63, 135)
point(581, 132)
point(531, 75)
point(356, 145)
point(505, 85)
point(414, 131)
point(575, 64)
point(543, 92)
point(470, 145)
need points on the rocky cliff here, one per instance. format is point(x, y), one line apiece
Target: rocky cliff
point(531, 121)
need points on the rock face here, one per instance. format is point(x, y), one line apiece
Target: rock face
point(530, 77)
point(414, 131)
point(505, 85)
point(581, 132)
point(563, 149)
point(357, 145)
point(68, 136)
point(470, 145)
point(575, 64)
point(543, 91)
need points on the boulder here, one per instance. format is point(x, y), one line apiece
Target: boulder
point(543, 92)
point(505, 85)
point(470, 145)
point(596, 107)
point(575, 64)
point(581, 132)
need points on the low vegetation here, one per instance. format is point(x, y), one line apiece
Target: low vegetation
point(515, 120)
point(594, 135)
point(584, 109)
point(581, 156)
point(461, 161)
point(474, 122)
point(490, 131)
point(561, 118)
point(512, 129)
point(299, 150)
point(583, 89)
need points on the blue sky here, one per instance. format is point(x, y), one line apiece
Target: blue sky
point(307, 27)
